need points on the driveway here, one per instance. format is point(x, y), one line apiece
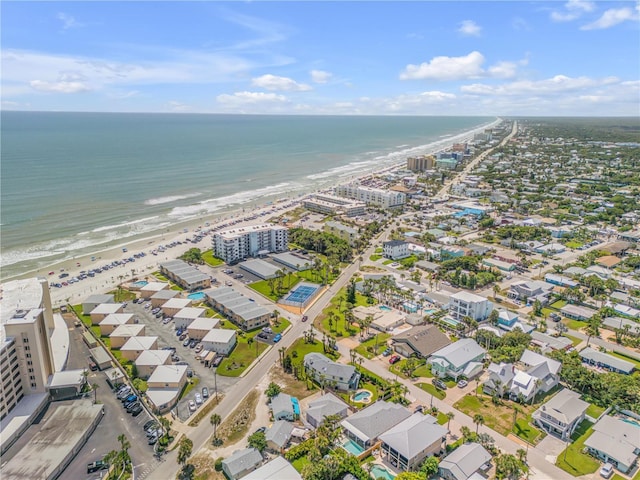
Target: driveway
point(551, 447)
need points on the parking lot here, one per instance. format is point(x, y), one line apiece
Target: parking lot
point(167, 338)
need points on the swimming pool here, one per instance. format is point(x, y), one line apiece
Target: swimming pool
point(431, 311)
point(451, 321)
point(140, 283)
point(352, 447)
point(362, 396)
point(410, 307)
point(385, 308)
point(301, 295)
point(632, 422)
point(380, 472)
point(196, 296)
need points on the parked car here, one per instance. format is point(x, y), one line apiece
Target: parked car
point(305, 318)
point(439, 384)
point(205, 392)
point(199, 348)
point(387, 352)
point(186, 342)
point(149, 425)
point(419, 409)
point(184, 336)
point(216, 361)
point(462, 383)
point(198, 399)
point(607, 470)
point(192, 406)
point(137, 410)
point(277, 338)
point(92, 365)
point(394, 359)
point(132, 405)
point(96, 466)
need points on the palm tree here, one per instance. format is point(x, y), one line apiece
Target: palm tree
point(215, 420)
point(516, 411)
point(537, 384)
point(522, 455)
point(450, 416)
point(95, 387)
point(496, 290)
point(478, 419)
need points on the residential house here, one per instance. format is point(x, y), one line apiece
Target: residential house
point(395, 249)
point(174, 305)
point(133, 347)
point(101, 311)
point(123, 333)
point(561, 414)
point(540, 374)
point(278, 435)
point(420, 341)
point(148, 360)
point(241, 463)
point(277, 469)
point(615, 441)
point(327, 372)
point(285, 407)
point(151, 288)
point(467, 304)
point(577, 312)
point(165, 385)
point(184, 317)
point(199, 328)
point(462, 358)
point(560, 280)
point(464, 462)
point(158, 299)
point(323, 407)
point(383, 319)
point(509, 321)
point(412, 440)
point(345, 232)
point(113, 321)
point(549, 343)
point(364, 427)
point(500, 378)
point(530, 291)
point(604, 360)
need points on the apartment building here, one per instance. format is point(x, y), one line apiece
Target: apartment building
point(244, 242)
point(372, 196)
point(465, 304)
point(332, 205)
point(26, 355)
point(420, 164)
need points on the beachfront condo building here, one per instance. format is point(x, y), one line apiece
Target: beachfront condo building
point(26, 356)
point(372, 196)
point(420, 164)
point(332, 205)
point(252, 241)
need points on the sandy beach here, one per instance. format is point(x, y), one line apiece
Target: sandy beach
point(108, 280)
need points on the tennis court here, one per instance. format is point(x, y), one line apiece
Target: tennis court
point(301, 295)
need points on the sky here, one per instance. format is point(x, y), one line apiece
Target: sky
point(558, 58)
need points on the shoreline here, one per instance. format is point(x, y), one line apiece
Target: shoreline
point(175, 232)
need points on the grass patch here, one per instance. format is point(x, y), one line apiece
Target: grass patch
point(160, 276)
point(572, 460)
point(573, 324)
point(442, 418)
point(289, 384)
point(204, 412)
point(263, 288)
point(526, 431)
point(387, 262)
point(573, 244)
point(283, 323)
point(299, 349)
point(559, 304)
point(242, 355)
point(338, 327)
point(314, 276)
point(86, 319)
point(237, 424)
point(427, 387)
point(209, 259)
point(190, 385)
point(369, 350)
point(299, 463)
point(423, 371)
point(121, 295)
point(575, 340)
point(375, 258)
point(594, 411)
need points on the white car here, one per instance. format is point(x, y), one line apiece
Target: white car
point(192, 406)
point(606, 471)
point(395, 264)
point(198, 399)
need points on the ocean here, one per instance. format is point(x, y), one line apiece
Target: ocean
point(74, 183)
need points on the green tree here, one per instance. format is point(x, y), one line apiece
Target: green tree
point(258, 441)
point(410, 476)
point(478, 419)
point(215, 420)
point(508, 466)
point(185, 446)
point(272, 390)
point(429, 466)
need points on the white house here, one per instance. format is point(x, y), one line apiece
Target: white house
point(464, 462)
point(327, 372)
point(462, 358)
point(615, 441)
point(219, 340)
point(184, 317)
point(561, 414)
point(467, 304)
point(395, 249)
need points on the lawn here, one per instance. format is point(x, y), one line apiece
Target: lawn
point(387, 262)
point(423, 371)
point(121, 295)
point(299, 463)
point(559, 304)
point(427, 387)
point(574, 324)
point(314, 277)
point(573, 244)
point(190, 385)
point(301, 349)
point(375, 258)
point(263, 288)
point(209, 259)
point(526, 431)
point(572, 460)
point(338, 327)
point(575, 340)
point(283, 323)
point(397, 368)
point(442, 418)
point(368, 349)
point(242, 355)
point(86, 319)
point(594, 411)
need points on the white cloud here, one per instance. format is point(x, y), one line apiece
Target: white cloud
point(613, 17)
point(573, 9)
point(503, 69)
point(446, 68)
point(248, 98)
point(550, 86)
point(275, 83)
point(68, 21)
point(320, 76)
point(469, 28)
point(59, 87)
point(176, 106)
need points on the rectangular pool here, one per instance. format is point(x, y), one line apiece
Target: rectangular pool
point(352, 447)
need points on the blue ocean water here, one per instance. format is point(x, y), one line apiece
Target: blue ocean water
point(72, 183)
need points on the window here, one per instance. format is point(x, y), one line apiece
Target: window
point(25, 340)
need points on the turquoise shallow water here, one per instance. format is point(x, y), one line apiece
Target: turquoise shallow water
point(73, 183)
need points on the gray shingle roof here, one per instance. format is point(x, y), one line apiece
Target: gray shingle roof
point(279, 433)
point(242, 460)
point(424, 340)
point(465, 460)
point(616, 438)
point(414, 434)
point(369, 423)
point(320, 363)
point(323, 407)
point(565, 406)
point(606, 359)
point(281, 403)
point(460, 352)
